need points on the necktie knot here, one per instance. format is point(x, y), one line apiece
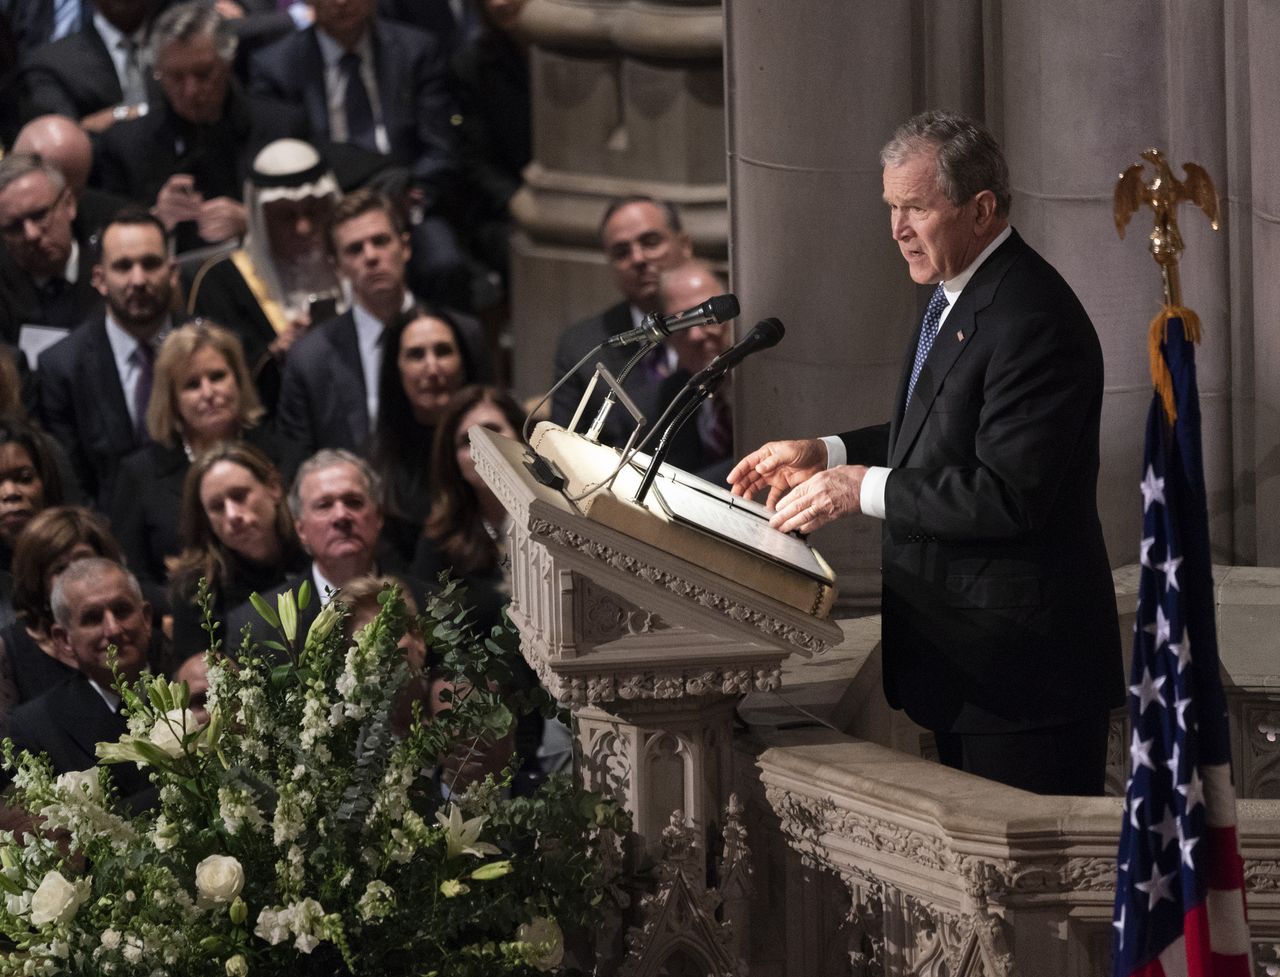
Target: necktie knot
point(928, 332)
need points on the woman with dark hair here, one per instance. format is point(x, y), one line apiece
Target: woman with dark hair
point(464, 532)
point(426, 361)
point(29, 661)
point(237, 534)
point(29, 481)
point(201, 395)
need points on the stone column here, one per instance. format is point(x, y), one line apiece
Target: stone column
point(628, 98)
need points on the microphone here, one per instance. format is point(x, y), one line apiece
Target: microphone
point(657, 327)
point(764, 334)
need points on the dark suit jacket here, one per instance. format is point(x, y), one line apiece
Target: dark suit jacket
point(74, 76)
point(999, 611)
point(136, 158)
point(411, 67)
point(80, 402)
point(573, 344)
point(687, 449)
point(21, 303)
point(322, 395)
point(67, 723)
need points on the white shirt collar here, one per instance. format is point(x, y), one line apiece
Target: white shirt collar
point(323, 584)
point(956, 285)
point(108, 695)
point(72, 271)
point(331, 51)
point(123, 344)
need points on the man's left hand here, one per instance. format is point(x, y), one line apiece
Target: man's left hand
point(222, 219)
point(825, 497)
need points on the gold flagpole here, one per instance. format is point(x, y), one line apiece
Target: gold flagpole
point(1163, 195)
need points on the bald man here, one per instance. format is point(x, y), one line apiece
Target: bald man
point(65, 146)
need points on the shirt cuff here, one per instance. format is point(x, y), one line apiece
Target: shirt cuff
point(836, 454)
point(871, 499)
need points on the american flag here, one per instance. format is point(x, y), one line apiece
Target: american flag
point(1180, 880)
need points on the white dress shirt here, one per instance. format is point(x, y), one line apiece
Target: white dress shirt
point(369, 332)
point(871, 497)
point(335, 87)
point(123, 346)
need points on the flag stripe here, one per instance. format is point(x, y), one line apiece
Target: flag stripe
point(1225, 869)
point(1228, 929)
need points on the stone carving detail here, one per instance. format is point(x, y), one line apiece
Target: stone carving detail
point(606, 764)
point(604, 616)
point(502, 486)
point(1261, 761)
point(667, 683)
point(1266, 959)
point(1261, 875)
point(679, 920)
point(547, 531)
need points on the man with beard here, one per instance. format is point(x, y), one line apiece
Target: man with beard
point(92, 387)
point(269, 291)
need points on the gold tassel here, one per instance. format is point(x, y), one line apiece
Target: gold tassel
point(1156, 336)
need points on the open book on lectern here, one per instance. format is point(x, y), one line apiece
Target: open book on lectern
point(691, 518)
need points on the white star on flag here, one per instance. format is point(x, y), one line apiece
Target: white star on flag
point(1140, 751)
point(1161, 629)
point(1157, 887)
point(1144, 551)
point(1170, 570)
point(1181, 706)
point(1133, 811)
point(1119, 925)
point(1172, 763)
point(1148, 691)
point(1182, 651)
point(1186, 844)
point(1192, 790)
point(1167, 829)
point(1152, 489)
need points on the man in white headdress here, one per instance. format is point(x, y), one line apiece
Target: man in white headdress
point(271, 289)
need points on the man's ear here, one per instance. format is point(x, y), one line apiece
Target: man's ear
point(985, 202)
point(98, 280)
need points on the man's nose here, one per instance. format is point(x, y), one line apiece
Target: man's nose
point(9, 490)
point(111, 625)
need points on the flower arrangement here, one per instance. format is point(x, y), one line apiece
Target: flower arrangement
point(298, 832)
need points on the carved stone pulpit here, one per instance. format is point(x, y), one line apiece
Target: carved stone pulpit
point(651, 631)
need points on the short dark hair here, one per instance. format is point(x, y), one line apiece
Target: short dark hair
point(357, 204)
point(17, 165)
point(42, 450)
point(187, 21)
point(968, 156)
point(669, 212)
point(134, 216)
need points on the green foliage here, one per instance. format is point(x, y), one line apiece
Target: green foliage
point(301, 828)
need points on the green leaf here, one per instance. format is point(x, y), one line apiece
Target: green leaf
point(264, 609)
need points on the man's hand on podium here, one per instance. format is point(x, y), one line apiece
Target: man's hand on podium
point(828, 495)
point(779, 466)
point(806, 493)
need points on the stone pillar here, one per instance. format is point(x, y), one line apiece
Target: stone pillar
point(628, 98)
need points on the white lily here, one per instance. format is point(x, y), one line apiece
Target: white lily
point(462, 837)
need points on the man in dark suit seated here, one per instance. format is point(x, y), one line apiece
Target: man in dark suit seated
point(96, 604)
point(383, 87)
point(44, 270)
point(641, 238)
point(998, 609)
point(334, 501)
point(96, 75)
point(188, 157)
point(92, 388)
point(704, 444)
point(329, 393)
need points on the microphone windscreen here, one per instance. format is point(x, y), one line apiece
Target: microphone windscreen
point(769, 332)
point(724, 307)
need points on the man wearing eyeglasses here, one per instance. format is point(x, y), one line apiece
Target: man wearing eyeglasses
point(44, 271)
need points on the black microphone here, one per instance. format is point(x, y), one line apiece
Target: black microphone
point(763, 335)
point(657, 327)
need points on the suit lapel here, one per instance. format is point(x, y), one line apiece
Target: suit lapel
point(350, 369)
point(956, 335)
point(105, 78)
point(312, 66)
point(98, 372)
point(86, 718)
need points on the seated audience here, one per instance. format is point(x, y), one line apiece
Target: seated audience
point(334, 502)
point(92, 388)
point(97, 605)
point(189, 156)
point(430, 364)
point(381, 87)
point(641, 237)
point(31, 662)
point(64, 145)
point(97, 74)
point(466, 529)
point(267, 289)
point(704, 444)
point(201, 396)
point(44, 270)
point(237, 534)
point(29, 481)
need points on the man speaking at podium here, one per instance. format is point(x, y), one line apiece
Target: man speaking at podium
point(998, 609)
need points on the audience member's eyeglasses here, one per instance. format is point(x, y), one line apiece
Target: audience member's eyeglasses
point(16, 229)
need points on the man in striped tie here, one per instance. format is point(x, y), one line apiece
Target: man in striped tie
point(999, 616)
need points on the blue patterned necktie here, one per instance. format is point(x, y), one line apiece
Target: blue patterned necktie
point(928, 332)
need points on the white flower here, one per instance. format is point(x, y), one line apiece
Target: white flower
point(56, 900)
point(376, 902)
point(219, 879)
point(273, 926)
point(169, 729)
point(133, 950)
point(461, 837)
point(80, 784)
point(237, 966)
point(110, 938)
point(543, 942)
